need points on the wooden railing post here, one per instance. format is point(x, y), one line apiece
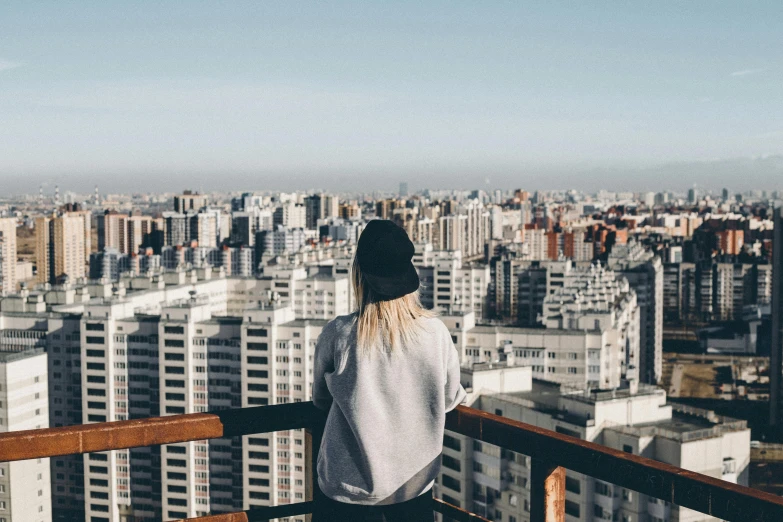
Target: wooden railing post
point(547, 491)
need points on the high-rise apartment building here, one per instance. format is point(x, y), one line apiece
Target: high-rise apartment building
point(60, 247)
point(112, 228)
point(25, 486)
point(776, 355)
point(320, 206)
point(178, 342)
point(7, 255)
point(448, 284)
point(644, 272)
point(279, 240)
point(596, 348)
point(204, 229)
point(122, 232)
point(138, 228)
point(190, 201)
point(290, 215)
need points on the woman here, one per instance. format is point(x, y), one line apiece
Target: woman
point(387, 374)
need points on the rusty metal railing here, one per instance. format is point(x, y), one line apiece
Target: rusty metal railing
point(550, 454)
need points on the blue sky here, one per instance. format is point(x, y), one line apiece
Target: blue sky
point(325, 94)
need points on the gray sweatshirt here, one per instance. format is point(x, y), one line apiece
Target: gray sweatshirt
point(387, 409)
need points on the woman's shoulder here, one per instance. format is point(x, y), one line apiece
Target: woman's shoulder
point(340, 325)
point(433, 324)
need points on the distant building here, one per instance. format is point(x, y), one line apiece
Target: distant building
point(8, 279)
point(450, 285)
point(644, 271)
point(108, 264)
point(318, 207)
point(189, 201)
point(279, 240)
point(403, 189)
point(776, 355)
point(60, 247)
point(290, 215)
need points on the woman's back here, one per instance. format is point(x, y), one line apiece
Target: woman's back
point(384, 432)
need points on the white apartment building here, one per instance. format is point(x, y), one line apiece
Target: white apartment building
point(316, 292)
point(290, 215)
point(281, 240)
point(447, 283)
point(495, 482)
point(595, 299)
point(466, 230)
point(598, 354)
point(179, 342)
point(25, 486)
point(7, 256)
point(644, 272)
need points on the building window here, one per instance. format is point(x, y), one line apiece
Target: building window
point(451, 462)
point(573, 485)
point(452, 443)
point(572, 508)
point(451, 483)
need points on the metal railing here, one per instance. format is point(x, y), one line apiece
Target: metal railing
point(550, 453)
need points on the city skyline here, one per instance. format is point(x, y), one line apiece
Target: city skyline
point(671, 178)
point(337, 94)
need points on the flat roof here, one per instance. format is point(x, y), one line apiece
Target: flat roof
point(519, 330)
point(8, 357)
point(306, 322)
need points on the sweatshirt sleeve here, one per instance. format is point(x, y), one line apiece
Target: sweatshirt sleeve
point(324, 363)
point(455, 393)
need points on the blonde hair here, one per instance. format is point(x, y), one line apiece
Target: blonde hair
point(381, 322)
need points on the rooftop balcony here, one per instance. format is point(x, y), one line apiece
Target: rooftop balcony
point(550, 454)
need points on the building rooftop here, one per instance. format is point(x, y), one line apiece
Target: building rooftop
point(686, 424)
point(306, 322)
point(488, 329)
point(9, 357)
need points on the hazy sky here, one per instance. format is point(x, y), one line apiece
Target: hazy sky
point(261, 94)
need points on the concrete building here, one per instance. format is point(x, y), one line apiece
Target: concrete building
point(189, 201)
point(205, 229)
point(318, 207)
point(279, 241)
point(597, 348)
point(177, 342)
point(448, 284)
point(714, 291)
point(8, 279)
point(244, 225)
point(495, 483)
point(520, 285)
point(467, 229)
point(25, 486)
point(290, 215)
point(776, 353)
point(60, 247)
point(112, 228)
point(138, 228)
point(336, 229)
point(644, 272)
point(177, 228)
point(109, 264)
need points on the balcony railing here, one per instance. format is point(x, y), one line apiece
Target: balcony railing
point(550, 454)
